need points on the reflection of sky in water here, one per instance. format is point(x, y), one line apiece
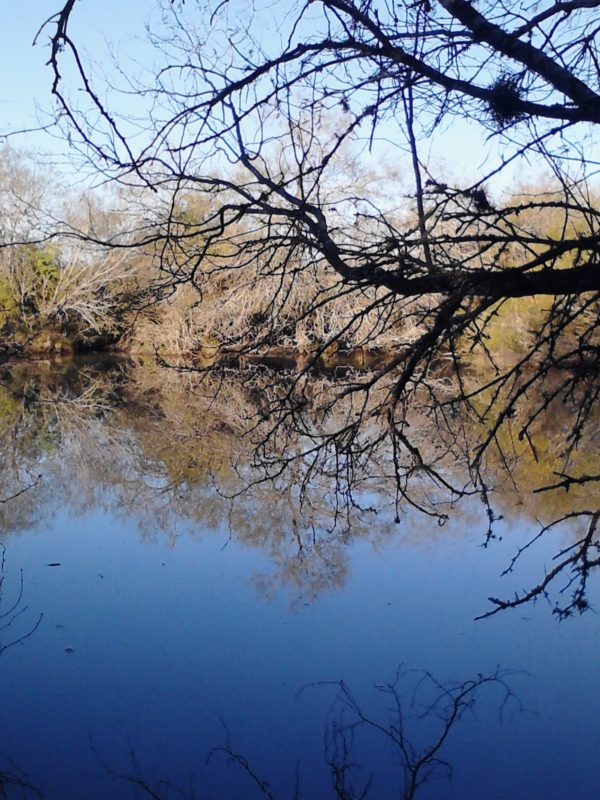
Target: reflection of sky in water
point(167, 642)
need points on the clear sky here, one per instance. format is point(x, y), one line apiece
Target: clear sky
point(25, 81)
point(22, 75)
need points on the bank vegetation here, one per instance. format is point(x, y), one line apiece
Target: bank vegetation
point(95, 272)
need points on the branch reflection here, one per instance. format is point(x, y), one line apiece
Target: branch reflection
point(14, 783)
point(407, 721)
point(186, 451)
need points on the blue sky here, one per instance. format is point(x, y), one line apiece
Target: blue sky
point(25, 81)
point(22, 71)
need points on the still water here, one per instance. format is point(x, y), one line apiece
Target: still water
point(190, 647)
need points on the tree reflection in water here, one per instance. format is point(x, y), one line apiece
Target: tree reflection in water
point(420, 715)
point(411, 727)
point(13, 781)
point(11, 613)
point(166, 447)
point(136, 442)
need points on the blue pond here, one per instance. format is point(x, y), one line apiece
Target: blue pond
point(177, 658)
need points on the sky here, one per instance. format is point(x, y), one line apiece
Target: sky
point(25, 80)
point(23, 76)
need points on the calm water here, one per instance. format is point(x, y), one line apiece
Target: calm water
point(176, 623)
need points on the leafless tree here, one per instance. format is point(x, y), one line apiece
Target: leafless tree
point(262, 114)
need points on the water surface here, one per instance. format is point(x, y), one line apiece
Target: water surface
point(178, 621)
